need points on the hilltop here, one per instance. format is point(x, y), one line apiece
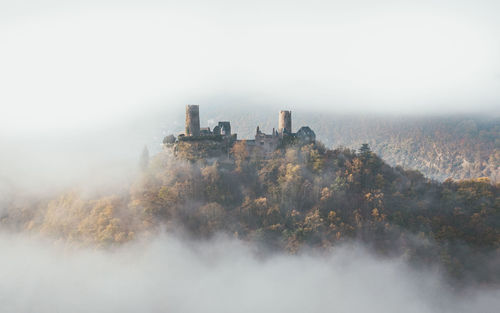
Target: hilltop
point(441, 147)
point(299, 196)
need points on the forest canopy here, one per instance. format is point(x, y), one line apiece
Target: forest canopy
point(299, 197)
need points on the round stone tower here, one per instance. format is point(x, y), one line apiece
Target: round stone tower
point(192, 120)
point(285, 122)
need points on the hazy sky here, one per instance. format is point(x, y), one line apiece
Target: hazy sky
point(73, 64)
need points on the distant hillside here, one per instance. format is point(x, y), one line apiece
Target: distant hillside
point(440, 147)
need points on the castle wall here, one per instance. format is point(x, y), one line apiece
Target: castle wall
point(225, 128)
point(192, 120)
point(267, 143)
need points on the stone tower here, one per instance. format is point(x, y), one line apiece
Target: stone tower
point(192, 120)
point(285, 122)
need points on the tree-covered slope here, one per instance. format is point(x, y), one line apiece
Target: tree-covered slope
point(299, 197)
point(441, 147)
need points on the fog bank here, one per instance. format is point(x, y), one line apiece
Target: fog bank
point(168, 274)
point(68, 64)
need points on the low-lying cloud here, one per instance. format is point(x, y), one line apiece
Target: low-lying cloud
point(76, 64)
point(168, 274)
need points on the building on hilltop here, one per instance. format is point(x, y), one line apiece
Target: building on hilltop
point(223, 128)
point(195, 132)
point(306, 135)
point(221, 138)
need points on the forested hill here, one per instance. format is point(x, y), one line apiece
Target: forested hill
point(441, 148)
point(460, 147)
point(298, 197)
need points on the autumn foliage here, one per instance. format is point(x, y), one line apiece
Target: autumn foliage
point(300, 196)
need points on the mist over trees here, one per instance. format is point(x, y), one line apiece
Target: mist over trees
point(441, 147)
point(299, 197)
point(381, 197)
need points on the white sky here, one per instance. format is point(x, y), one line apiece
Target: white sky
point(77, 64)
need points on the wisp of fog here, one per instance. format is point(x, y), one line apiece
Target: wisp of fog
point(170, 274)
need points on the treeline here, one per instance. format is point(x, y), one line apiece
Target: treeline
point(441, 147)
point(298, 197)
